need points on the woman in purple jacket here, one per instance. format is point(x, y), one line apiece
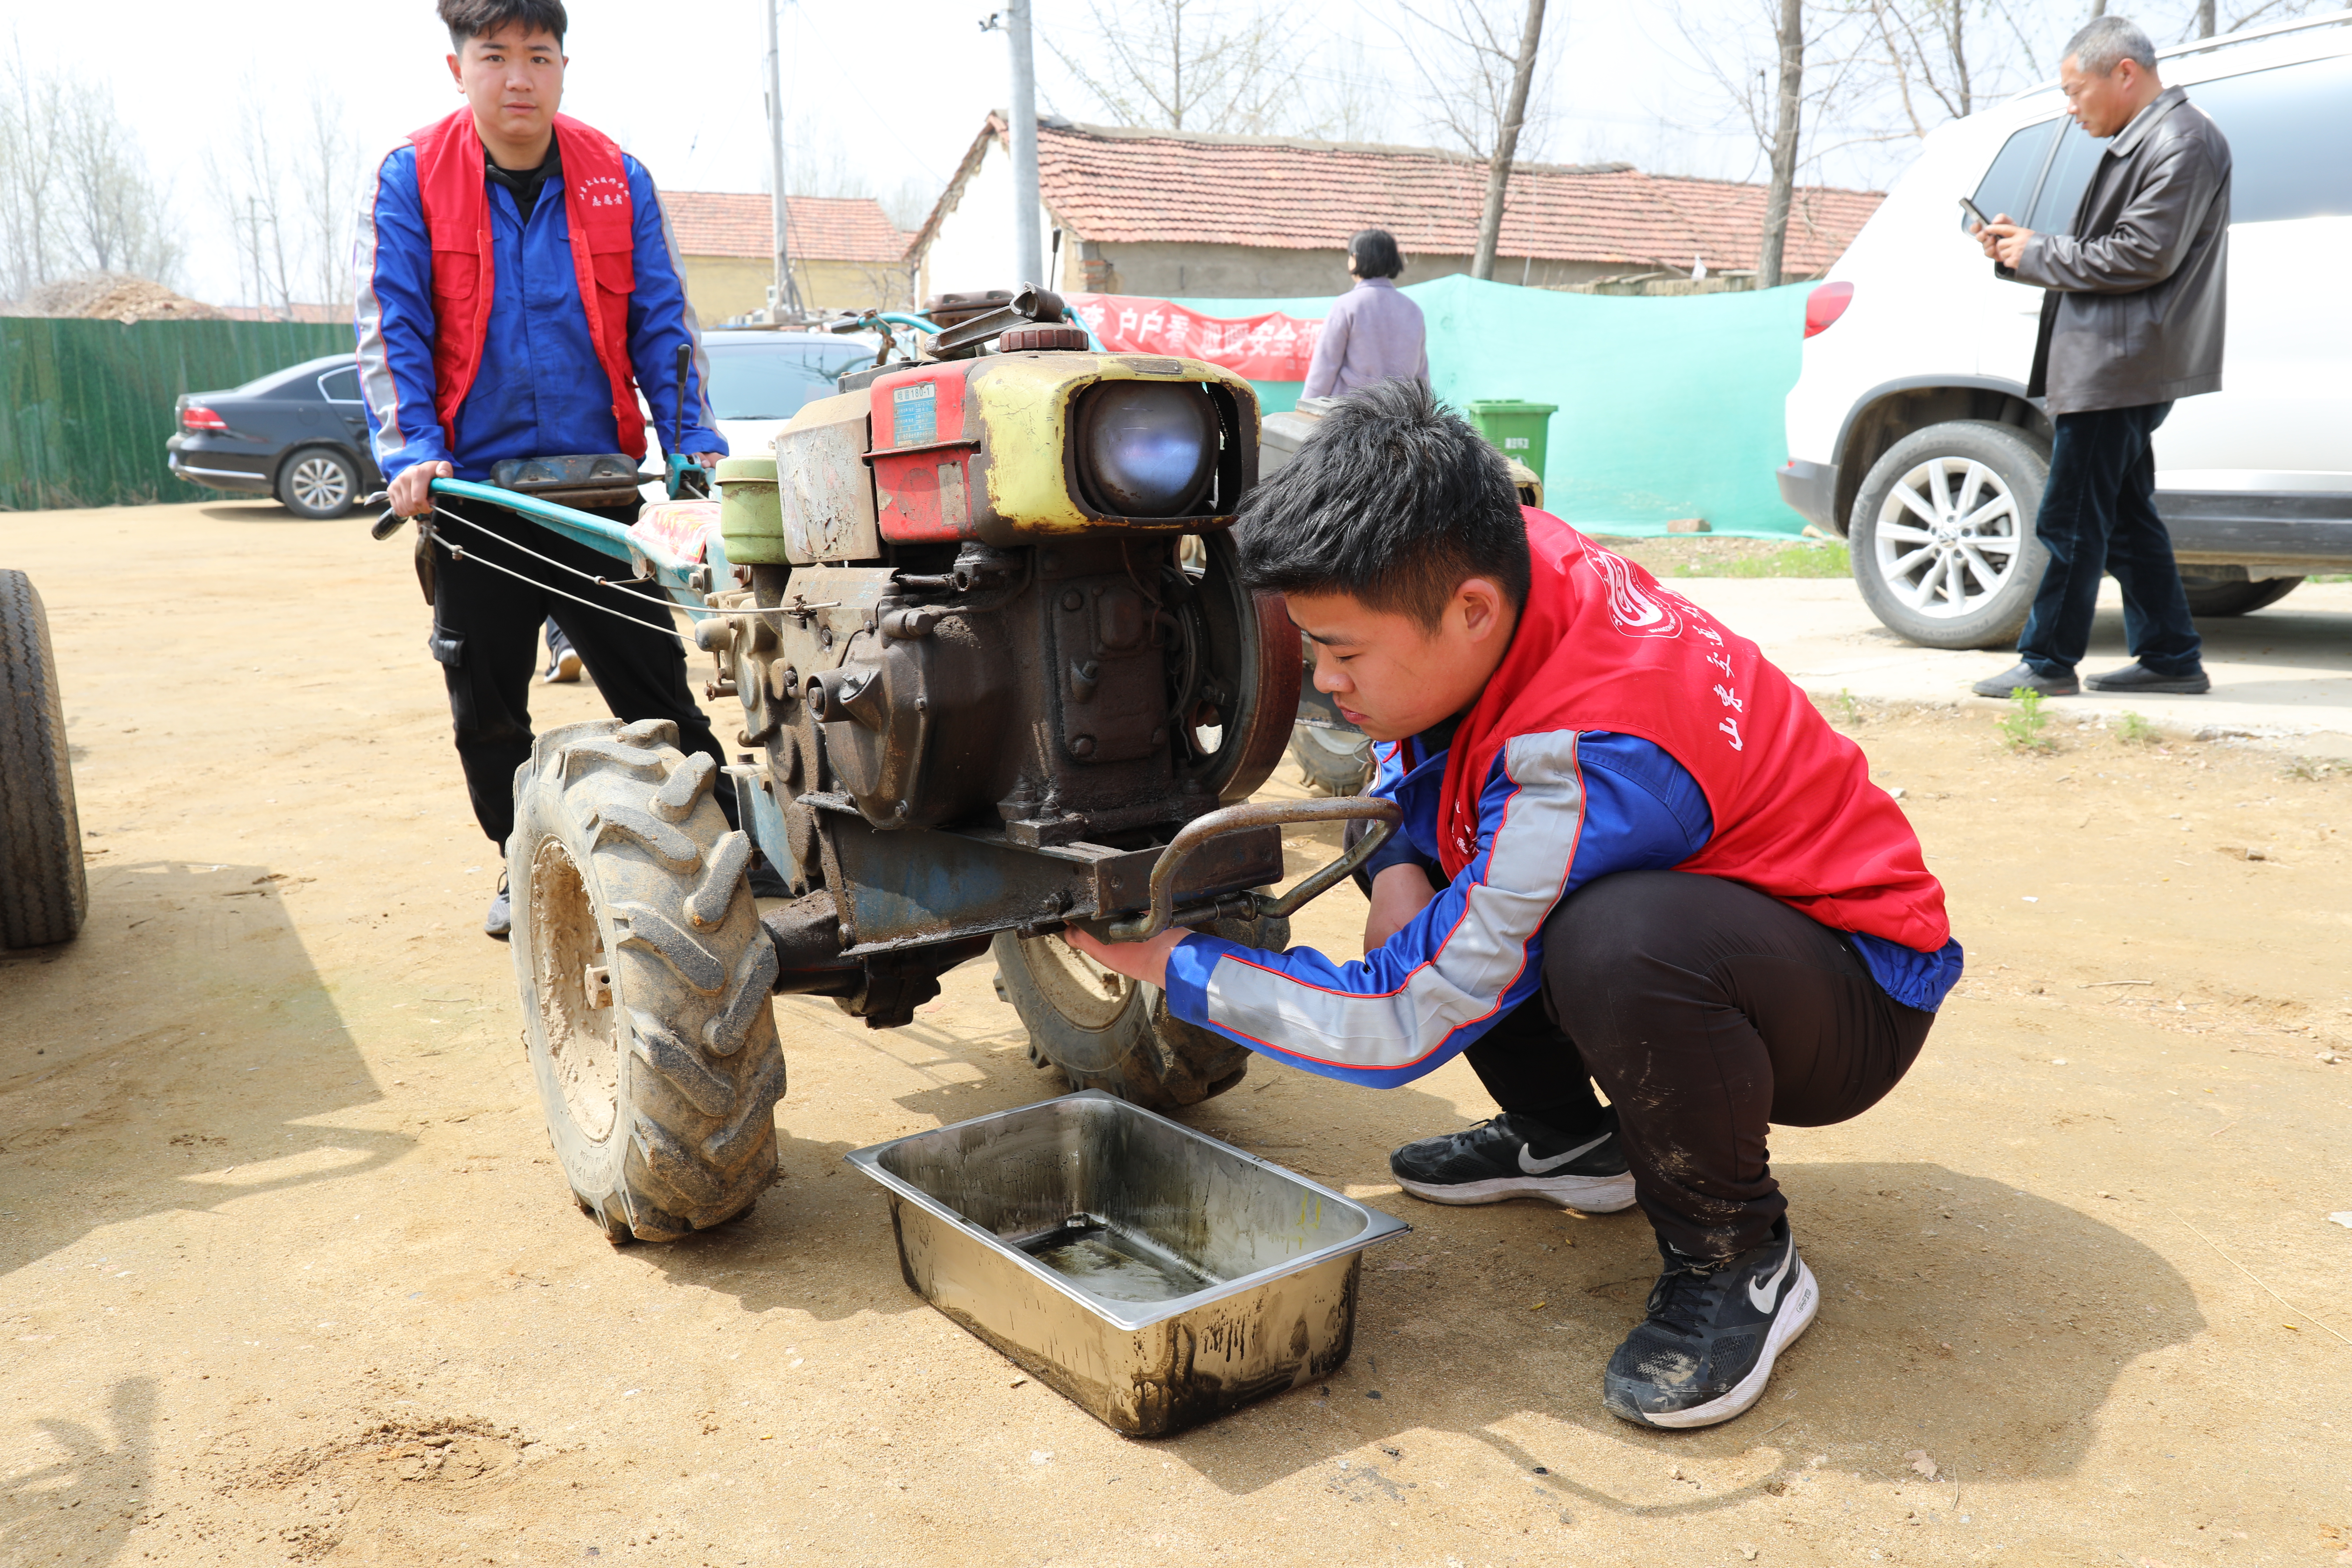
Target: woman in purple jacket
point(1373, 332)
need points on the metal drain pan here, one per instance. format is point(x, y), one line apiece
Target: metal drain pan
point(1263, 1264)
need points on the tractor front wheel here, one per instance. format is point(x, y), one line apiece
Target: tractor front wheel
point(1101, 1030)
point(646, 981)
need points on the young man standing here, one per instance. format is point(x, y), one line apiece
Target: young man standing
point(1633, 852)
point(516, 287)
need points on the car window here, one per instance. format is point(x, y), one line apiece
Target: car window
point(2008, 186)
point(772, 381)
point(2070, 175)
point(340, 385)
point(2280, 123)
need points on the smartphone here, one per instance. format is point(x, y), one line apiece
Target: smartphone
point(1975, 214)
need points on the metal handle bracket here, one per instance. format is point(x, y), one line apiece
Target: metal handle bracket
point(1385, 816)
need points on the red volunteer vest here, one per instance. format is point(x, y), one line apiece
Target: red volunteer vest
point(458, 215)
point(1601, 646)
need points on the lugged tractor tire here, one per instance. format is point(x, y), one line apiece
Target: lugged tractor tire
point(645, 980)
point(1100, 1030)
point(44, 887)
point(1336, 762)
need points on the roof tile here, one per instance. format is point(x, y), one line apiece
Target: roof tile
point(824, 228)
point(1119, 185)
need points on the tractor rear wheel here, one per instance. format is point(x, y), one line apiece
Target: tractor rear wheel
point(645, 980)
point(44, 890)
point(1101, 1030)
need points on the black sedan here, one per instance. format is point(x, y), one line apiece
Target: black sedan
point(299, 433)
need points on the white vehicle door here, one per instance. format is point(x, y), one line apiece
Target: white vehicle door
point(2282, 420)
point(2009, 312)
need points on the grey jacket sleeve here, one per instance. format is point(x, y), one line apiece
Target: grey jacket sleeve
point(2150, 237)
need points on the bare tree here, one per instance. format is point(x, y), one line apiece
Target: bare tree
point(1467, 56)
point(1343, 98)
point(1788, 39)
point(1506, 144)
point(251, 184)
point(1790, 78)
point(31, 117)
point(75, 190)
point(326, 176)
point(1173, 64)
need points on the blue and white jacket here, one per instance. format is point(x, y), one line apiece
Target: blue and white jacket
point(1557, 811)
point(541, 391)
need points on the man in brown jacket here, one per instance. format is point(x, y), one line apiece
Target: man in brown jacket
point(2133, 319)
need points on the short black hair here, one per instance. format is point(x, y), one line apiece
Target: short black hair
point(1395, 500)
point(1375, 252)
point(474, 18)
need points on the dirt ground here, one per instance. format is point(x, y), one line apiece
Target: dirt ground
point(289, 1277)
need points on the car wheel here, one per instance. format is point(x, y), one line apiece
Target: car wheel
point(1942, 534)
point(2212, 596)
point(319, 482)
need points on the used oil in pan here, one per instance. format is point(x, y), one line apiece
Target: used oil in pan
point(1111, 1262)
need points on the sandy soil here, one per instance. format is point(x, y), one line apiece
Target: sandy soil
point(287, 1276)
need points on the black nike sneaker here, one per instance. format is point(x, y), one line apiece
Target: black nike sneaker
point(1707, 1349)
point(1515, 1157)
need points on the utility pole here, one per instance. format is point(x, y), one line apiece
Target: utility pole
point(1507, 145)
point(1028, 259)
point(786, 294)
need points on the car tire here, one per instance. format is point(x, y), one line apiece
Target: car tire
point(2212, 596)
point(44, 888)
point(318, 483)
point(1942, 534)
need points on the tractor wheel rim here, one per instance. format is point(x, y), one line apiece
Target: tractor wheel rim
point(582, 1037)
point(1082, 991)
point(1949, 537)
point(319, 483)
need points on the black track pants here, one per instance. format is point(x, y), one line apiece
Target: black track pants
point(1705, 1011)
point(485, 635)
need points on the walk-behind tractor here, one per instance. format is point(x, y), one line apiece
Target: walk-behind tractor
point(984, 700)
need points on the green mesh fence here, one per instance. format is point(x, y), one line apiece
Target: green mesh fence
point(1669, 408)
point(86, 406)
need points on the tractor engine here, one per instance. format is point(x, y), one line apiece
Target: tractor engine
point(992, 650)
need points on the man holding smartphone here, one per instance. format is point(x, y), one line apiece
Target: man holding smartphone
point(2132, 321)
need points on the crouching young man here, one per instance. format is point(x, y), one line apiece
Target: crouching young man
point(1633, 854)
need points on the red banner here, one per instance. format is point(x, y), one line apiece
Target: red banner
point(1272, 347)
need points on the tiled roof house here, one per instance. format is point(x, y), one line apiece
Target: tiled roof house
point(1180, 214)
point(846, 254)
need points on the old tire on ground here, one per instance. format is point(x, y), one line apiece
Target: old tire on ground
point(660, 1101)
point(44, 890)
point(2208, 596)
point(1942, 534)
point(317, 482)
point(1102, 1030)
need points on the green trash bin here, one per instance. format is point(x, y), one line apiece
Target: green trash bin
point(1517, 429)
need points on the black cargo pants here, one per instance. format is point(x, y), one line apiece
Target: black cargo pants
point(1705, 1011)
point(485, 635)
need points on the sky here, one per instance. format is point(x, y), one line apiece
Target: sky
point(897, 87)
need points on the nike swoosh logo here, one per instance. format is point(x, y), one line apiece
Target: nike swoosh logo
point(1535, 1167)
point(1770, 1290)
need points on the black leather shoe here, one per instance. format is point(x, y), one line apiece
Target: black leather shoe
point(2137, 676)
point(2024, 674)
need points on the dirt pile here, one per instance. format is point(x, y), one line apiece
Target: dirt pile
point(110, 296)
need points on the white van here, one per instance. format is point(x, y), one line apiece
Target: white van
point(1909, 429)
